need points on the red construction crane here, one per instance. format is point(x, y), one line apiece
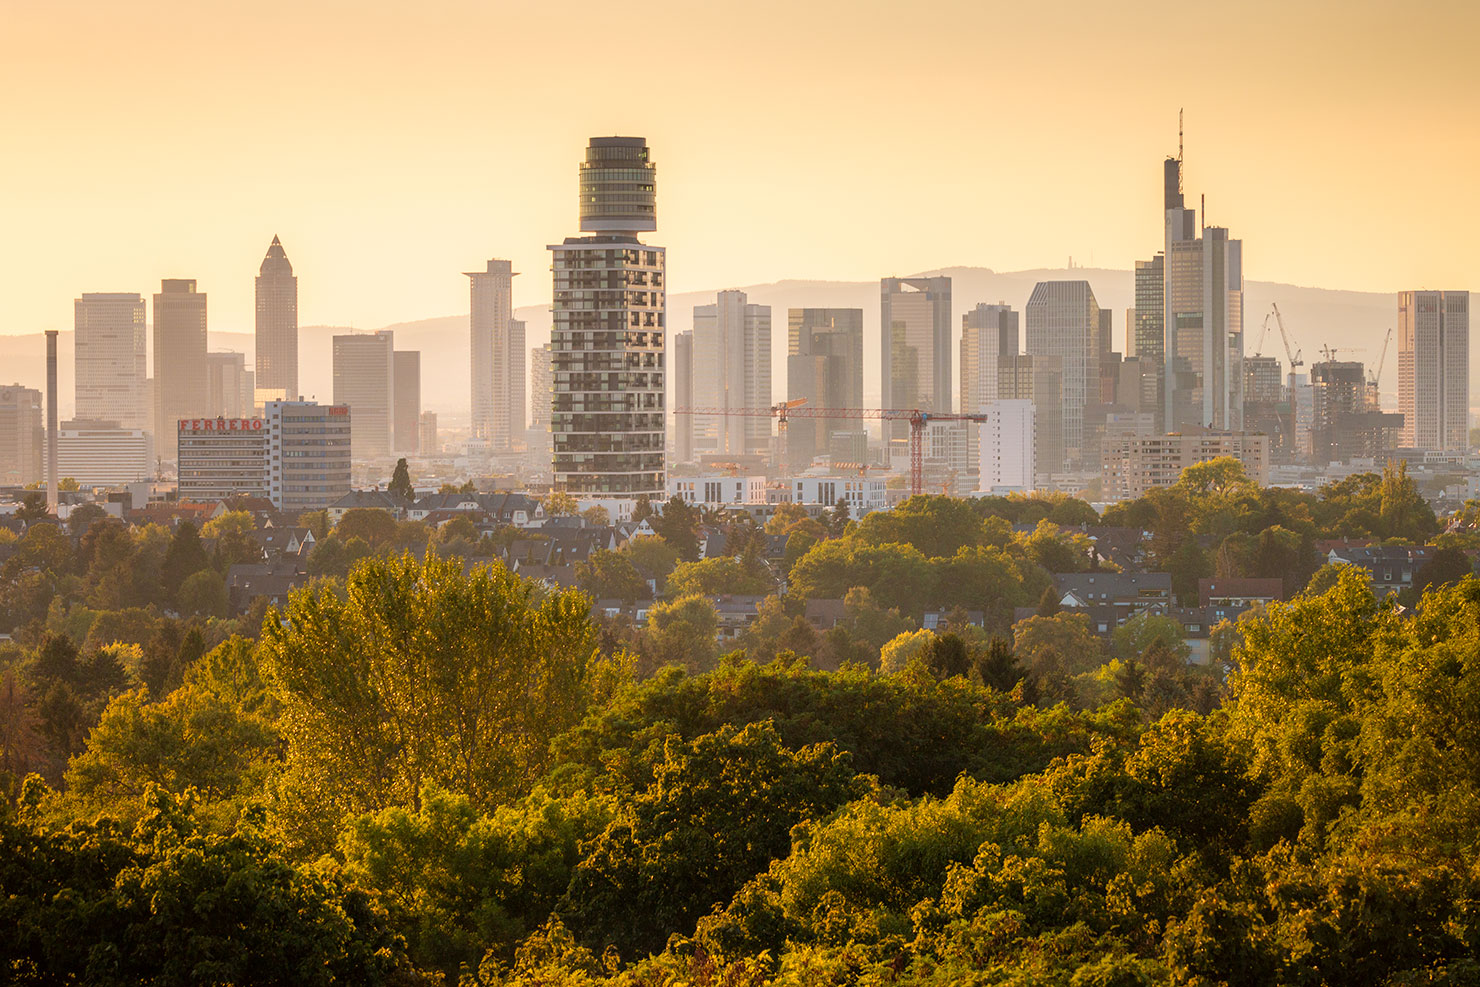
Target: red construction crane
point(794, 409)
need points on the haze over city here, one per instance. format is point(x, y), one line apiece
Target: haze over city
point(392, 147)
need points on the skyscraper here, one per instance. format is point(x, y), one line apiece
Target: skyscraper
point(607, 341)
point(406, 403)
point(1063, 323)
point(498, 371)
point(1039, 380)
point(365, 380)
point(824, 365)
point(1434, 368)
point(683, 395)
point(276, 359)
point(988, 333)
point(1203, 302)
point(22, 435)
point(179, 360)
point(915, 353)
point(111, 358)
point(230, 386)
point(732, 370)
point(540, 383)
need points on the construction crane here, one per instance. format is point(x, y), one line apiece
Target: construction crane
point(1293, 356)
point(788, 410)
point(1372, 376)
point(1263, 334)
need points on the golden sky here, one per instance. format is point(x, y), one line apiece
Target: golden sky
point(395, 145)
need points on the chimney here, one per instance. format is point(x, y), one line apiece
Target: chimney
point(52, 495)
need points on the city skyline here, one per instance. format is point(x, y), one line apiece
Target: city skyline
point(1266, 162)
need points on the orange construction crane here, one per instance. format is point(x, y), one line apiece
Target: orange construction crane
point(796, 409)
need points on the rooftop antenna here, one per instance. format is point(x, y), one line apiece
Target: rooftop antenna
point(1203, 208)
point(1179, 150)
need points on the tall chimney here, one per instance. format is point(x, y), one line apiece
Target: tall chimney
point(53, 498)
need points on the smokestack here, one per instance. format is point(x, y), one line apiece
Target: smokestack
point(53, 498)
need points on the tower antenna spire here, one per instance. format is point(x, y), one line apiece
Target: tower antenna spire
point(1179, 149)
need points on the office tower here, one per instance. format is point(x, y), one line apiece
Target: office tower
point(732, 370)
point(222, 458)
point(104, 454)
point(988, 333)
point(1130, 333)
point(1007, 450)
point(364, 379)
point(309, 449)
point(179, 360)
point(915, 353)
point(230, 386)
point(276, 355)
point(1434, 368)
point(824, 365)
point(497, 357)
point(22, 435)
point(53, 495)
point(1063, 323)
point(406, 403)
point(607, 420)
point(1202, 317)
point(683, 396)
point(1038, 379)
point(427, 442)
point(111, 358)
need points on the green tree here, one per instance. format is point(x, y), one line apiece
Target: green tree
point(234, 534)
point(936, 526)
point(33, 508)
point(422, 673)
point(611, 575)
point(185, 557)
point(683, 632)
point(718, 576)
point(653, 557)
point(400, 485)
point(597, 516)
point(203, 594)
point(375, 526)
point(1132, 639)
point(678, 525)
point(561, 504)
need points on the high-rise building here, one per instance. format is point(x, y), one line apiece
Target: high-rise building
point(1006, 452)
point(22, 435)
point(824, 366)
point(540, 386)
point(179, 359)
point(683, 396)
point(1267, 407)
point(365, 379)
point(309, 454)
point(1434, 369)
point(406, 403)
point(276, 356)
point(732, 369)
point(427, 442)
point(230, 386)
point(1039, 380)
point(1203, 301)
point(1063, 323)
point(608, 420)
point(988, 333)
point(1344, 425)
point(497, 357)
point(915, 353)
point(104, 454)
point(111, 356)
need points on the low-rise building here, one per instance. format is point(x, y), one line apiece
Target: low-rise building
point(222, 458)
point(104, 454)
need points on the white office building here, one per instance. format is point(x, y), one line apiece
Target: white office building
point(718, 490)
point(1007, 447)
point(104, 454)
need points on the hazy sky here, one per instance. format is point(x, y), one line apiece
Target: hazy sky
point(395, 145)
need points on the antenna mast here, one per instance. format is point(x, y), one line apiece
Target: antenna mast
point(1179, 150)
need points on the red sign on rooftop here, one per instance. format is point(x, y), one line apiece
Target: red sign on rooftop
point(220, 424)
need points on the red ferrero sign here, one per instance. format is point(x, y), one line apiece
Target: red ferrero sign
point(220, 424)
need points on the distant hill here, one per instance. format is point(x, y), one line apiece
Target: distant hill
point(1353, 321)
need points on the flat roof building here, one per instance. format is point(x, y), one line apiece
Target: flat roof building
point(222, 458)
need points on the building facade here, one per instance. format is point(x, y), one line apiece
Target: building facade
point(1063, 324)
point(915, 350)
point(406, 406)
point(1006, 451)
point(824, 367)
point(1434, 369)
point(222, 458)
point(608, 419)
point(179, 359)
point(104, 454)
point(365, 379)
point(1038, 380)
point(683, 396)
point(1135, 465)
point(111, 357)
point(732, 370)
point(230, 386)
point(309, 454)
point(275, 360)
point(498, 372)
point(22, 435)
point(427, 442)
